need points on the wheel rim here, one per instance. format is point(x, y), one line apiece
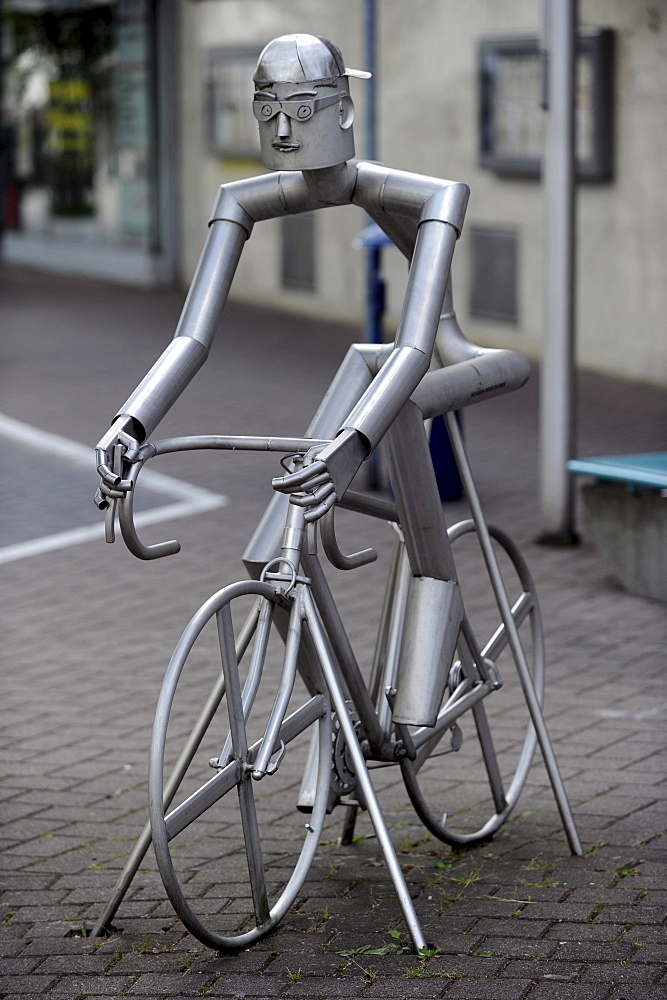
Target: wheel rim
point(238, 803)
point(460, 797)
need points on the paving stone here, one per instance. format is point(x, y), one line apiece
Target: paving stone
point(230, 984)
point(637, 993)
point(22, 983)
point(537, 969)
point(115, 986)
point(488, 989)
point(568, 991)
point(620, 973)
point(427, 987)
point(167, 984)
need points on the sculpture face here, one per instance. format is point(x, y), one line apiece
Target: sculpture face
point(303, 105)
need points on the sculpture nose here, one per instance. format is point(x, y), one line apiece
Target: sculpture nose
point(283, 127)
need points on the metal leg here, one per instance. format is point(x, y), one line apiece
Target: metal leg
point(349, 823)
point(514, 641)
point(367, 789)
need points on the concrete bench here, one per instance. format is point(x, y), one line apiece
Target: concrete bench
point(625, 515)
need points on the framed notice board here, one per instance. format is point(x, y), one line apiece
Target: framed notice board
point(511, 115)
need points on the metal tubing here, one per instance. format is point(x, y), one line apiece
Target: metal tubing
point(285, 687)
point(227, 442)
point(161, 387)
point(361, 503)
point(342, 649)
point(367, 789)
point(433, 618)
point(129, 531)
point(254, 676)
point(417, 329)
point(450, 712)
point(210, 285)
point(417, 498)
point(217, 786)
point(349, 382)
point(492, 374)
point(447, 205)
point(513, 639)
point(406, 193)
point(399, 376)
point(557, 418)
point(333, 552)
point(401, 230)
point(429, 276)
point(270, 196)
point(377, 683)
point(396, 612)
point(227, 209)
point(196, 328)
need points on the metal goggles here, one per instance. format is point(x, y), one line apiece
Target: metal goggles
point(265, 110)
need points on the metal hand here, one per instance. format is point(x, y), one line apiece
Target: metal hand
point(112, 452)
point(310, 487)
point(320, 484)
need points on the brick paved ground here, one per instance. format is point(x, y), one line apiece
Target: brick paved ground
point(88, 631)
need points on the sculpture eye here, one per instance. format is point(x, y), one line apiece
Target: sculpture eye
point(266, 110)
point(304, 112)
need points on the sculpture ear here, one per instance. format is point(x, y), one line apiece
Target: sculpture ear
point(346, 112)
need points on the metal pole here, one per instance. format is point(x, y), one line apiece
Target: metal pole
point(557, 371)
point(374, 284)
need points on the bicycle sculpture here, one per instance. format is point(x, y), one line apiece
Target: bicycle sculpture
point(434, 668)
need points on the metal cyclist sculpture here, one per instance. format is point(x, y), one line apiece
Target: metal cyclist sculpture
point(380, 392)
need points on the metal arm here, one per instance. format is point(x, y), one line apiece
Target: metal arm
point(415, 338)
point(186, 353)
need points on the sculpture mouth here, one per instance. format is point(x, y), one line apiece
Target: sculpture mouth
point(286, 147)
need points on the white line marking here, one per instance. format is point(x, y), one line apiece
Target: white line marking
point(190, 499)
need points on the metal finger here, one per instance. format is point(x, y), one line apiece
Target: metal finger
point(310, 499)
point(323, 477)
point(112, 494)
point(100, 500)
point(314, 515)
point(295, 482)
point(109, 478)
point(322, 492)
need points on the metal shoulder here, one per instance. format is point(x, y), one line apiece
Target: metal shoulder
point(267, 196)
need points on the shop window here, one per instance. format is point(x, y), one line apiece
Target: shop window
point(231, 130)
point(79, 124)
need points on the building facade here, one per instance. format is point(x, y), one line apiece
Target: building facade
point(458, 96)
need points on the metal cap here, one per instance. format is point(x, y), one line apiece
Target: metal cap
point(302, 59)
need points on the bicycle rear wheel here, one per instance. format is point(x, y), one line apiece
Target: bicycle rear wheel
point(465, 783)
point(236, 849)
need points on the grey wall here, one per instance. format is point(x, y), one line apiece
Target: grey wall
point(427, 80)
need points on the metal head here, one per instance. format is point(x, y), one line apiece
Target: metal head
point(303, 105)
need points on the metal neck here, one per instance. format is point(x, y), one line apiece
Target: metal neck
point(331, 184)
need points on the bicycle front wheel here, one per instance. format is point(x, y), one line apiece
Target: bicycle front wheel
point(236, 849)
point(464, 784)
